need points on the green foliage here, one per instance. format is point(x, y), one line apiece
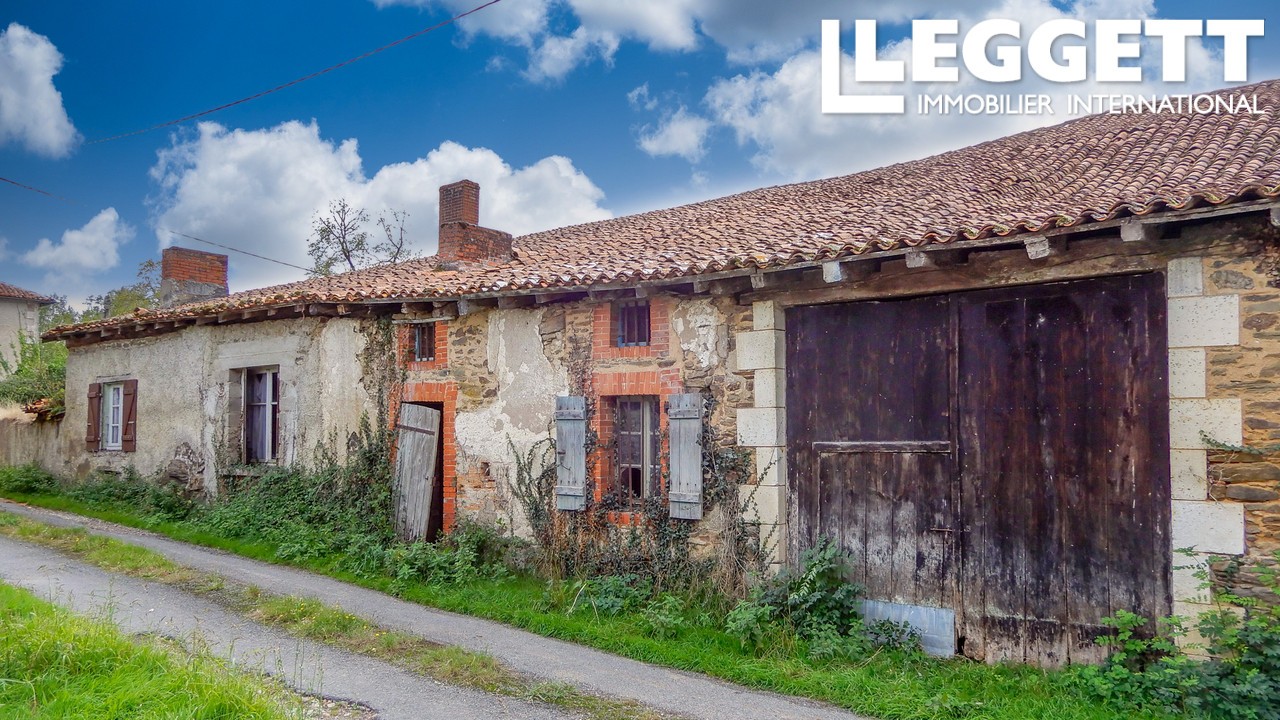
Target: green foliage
point(750, 622)
point(612, 594)
point(130, 491)
point(317, 512)
point(39, 374)
point(145, 293)
point(665, 616)
point(27, 480)
point(1238, 677)
point(817, 598)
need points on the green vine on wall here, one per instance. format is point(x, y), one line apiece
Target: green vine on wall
point(719, 554)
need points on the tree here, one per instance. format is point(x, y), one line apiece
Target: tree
point(340, 242)
point(123, 300)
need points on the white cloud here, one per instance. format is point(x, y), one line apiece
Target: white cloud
point(557, 55)
point(516, 21)
point(259, 190)
point(82, 252)
point(680, 134)
point(662, 24)
point(778, 113)
point(640, 99)
point(31, 111)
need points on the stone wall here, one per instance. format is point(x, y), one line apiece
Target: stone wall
point(505, 368)
point(187, 398)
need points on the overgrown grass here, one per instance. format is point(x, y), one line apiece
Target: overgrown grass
point(310, 619)
point(884, 683)
point(54, 664)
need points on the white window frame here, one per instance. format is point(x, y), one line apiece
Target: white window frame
point(112, 416)
point(271, 414)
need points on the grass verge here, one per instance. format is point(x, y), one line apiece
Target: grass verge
point(55, 664)
point(313, 620)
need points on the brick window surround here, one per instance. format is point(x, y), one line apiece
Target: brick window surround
point(404, 343)
point(604, 336)
point(608, 385)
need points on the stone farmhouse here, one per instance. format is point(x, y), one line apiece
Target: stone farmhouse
point(1011, 379)
point(19, 317)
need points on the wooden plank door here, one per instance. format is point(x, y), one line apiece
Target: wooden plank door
point(1063, 410)
point(869, 442)
point(416, 451)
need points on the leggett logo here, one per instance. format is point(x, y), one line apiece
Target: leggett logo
point(1114, 43)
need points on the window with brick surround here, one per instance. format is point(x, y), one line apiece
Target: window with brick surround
point(424, 342)
point(638, 443)
point(631, 323)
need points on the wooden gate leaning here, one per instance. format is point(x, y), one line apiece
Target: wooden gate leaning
point(416, 449)
point(1000, 454)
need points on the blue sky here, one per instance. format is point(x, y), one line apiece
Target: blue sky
point(564, 111)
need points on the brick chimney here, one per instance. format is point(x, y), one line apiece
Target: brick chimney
point(191, 275)
point(461, 237)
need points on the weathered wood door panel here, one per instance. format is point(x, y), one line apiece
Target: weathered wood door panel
point(1000, 453)
point(873, 426)
point(1063, 465)
point(416, 452)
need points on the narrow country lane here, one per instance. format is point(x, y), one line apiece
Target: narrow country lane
point(591, 671)
point(144, 607)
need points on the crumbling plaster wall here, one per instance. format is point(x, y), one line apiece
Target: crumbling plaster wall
point(186, 396)
point(509, 365)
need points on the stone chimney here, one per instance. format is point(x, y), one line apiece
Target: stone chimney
point(461, 237)
point(190, 276)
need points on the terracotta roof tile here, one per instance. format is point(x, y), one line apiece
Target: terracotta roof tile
point(1092, 169)
point(13, 291)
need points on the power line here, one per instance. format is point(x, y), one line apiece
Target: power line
point(174, 232)
point(236, 250)
point(38, 190)
point(302, 79)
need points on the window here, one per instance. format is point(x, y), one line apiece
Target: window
point(113, 416)
point(638, 446)
point(424, 342)
point(261, 415)
point(631, 323)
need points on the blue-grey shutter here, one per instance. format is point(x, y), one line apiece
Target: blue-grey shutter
point(684, 424)
point(571, 452)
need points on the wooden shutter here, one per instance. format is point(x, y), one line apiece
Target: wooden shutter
point(129, 416)
point(93, 433)
point(571, 452)
point(684, 423)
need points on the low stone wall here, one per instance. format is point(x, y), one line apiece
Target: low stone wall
point(24, 441)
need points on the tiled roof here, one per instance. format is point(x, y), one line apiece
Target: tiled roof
point(12, 291)
point(1096, 168)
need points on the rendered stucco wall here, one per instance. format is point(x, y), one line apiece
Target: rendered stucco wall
point(16, 316)
point(186, 396)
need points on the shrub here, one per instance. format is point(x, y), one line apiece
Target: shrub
point(40, 374)
point(1238, 680)
point(613, 594)
point(818, 597)
point(664, 617)
point(28, 479)
point(130, 491)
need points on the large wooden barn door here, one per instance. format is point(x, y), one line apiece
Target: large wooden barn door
point(870, 425)
point(1064, 465)
point(1001, 454)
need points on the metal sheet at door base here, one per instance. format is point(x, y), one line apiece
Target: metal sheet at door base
point(937, 626)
